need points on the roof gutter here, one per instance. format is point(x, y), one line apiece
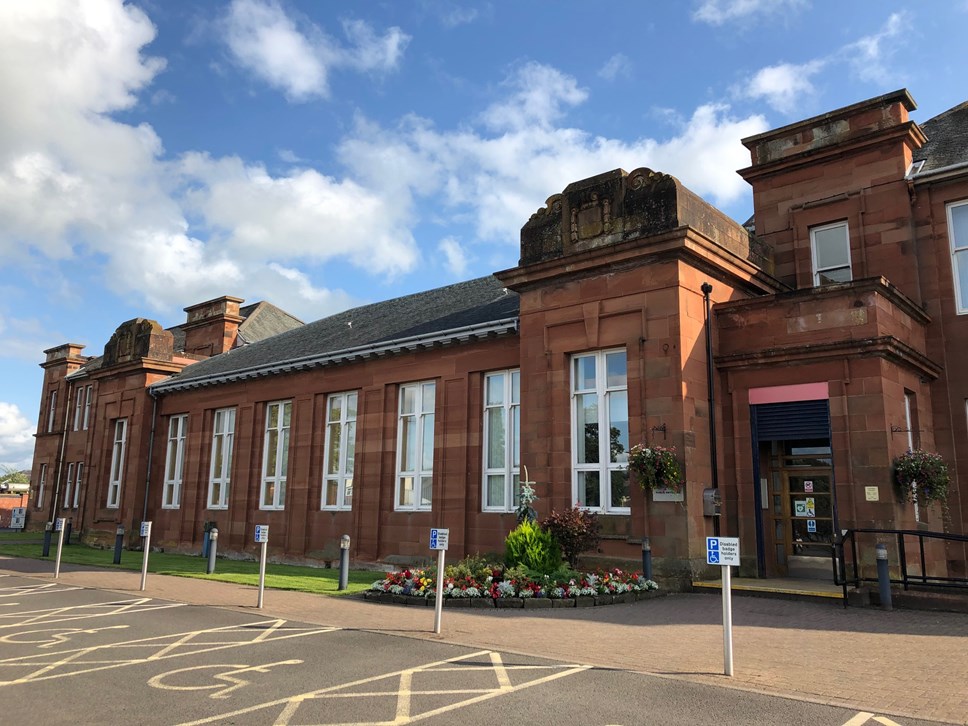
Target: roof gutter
point(943, 171)
point(373, 350)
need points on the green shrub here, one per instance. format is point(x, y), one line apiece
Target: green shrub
point(472, 567)
point(575, 531)
point(532, 547)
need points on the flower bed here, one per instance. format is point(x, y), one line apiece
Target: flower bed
point(418, 587)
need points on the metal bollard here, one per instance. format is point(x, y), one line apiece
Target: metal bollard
point(67, 531)
point(212, 548)
point(344, 561)
point(883, 577)
point(48, 528)
point(646, 558)
point(118, 544)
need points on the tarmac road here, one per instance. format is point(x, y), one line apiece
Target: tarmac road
point(80, 655)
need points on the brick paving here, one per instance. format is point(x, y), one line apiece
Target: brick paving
point(901, 663)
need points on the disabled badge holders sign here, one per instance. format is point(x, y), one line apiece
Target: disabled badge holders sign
point(722, 551)
point(438, 539)
point(261, 533)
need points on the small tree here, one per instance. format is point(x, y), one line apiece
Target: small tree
point(575, 530)
point(531, 546)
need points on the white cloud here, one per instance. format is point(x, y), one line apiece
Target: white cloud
point(456, 15)
point(16, 437)
point(264, 40)
point(498, 180)
point(539, 96)
point(617, 66)
point(455, 257)
point(719, 12)
point(869, 56)
point(783, 85)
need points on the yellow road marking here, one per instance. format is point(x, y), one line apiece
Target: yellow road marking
point(404, 692)
point(863, 717)
point(226, 676)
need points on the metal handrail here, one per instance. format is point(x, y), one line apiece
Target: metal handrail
point(906, 579)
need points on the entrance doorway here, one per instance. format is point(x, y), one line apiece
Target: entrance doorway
point(798, 508)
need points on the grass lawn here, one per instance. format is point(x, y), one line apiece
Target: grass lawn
point(21, 536)
point(281, 577)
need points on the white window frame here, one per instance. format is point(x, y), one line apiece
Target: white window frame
point(77, 484)
point(52, 411)
point(961, 295)
point(78, 408)
point(67, 485)
point(417, 479)
point(338, 465)
point(604, 467)
point(220, 478)
point(88, 399)
point(508, 409)
point(817, 270)
point(174, 461)
point(274, 482)
point(117, 463)
point(41, 485)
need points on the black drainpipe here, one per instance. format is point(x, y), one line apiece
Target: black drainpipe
point(713, 458)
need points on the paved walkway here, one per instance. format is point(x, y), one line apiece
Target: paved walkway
point(901, 663)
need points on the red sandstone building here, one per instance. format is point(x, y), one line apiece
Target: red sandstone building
point(835, 320)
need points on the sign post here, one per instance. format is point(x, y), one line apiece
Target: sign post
point(146, 546)
point(438, 541)
point(262, 538)
point(59, 528)
point(724, 551)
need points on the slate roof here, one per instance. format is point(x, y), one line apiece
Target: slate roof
point(947, 142)
point(263, 320)
point(471, 305)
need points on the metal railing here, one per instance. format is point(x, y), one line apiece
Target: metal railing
point(849, 542)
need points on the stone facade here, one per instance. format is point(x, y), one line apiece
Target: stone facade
point(621, 261)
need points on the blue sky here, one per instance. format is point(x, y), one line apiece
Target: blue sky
point(322, 155)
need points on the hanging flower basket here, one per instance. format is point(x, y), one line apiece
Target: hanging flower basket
point(655, 467)
point(921, 476)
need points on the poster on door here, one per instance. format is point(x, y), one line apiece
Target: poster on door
point(805, 507)
point(808, 486)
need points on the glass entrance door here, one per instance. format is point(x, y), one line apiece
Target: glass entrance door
point(808, 512)
point(799, 511)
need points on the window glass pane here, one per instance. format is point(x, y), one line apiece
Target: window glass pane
point(515, 387)
point(831, 246)
point(332, 487)
point(618, 427)
point(615, 369)
point(348, 492)
point(495, 389)
point(959, 226)
point(429, 393)
point(271, 448)
point(589, 494)
point(286, 414)
point(408, 399)
point(426, 491)
point(350, 446)
point(495, 438)
point(216, 498)
point(332, 452)
point(961, 263)
point(405, 498)
point(281, 493)
point(427, 456)
point(515, 437)
point(217, 456)
point(284, 452)
point(585, 373)
point(351, 406)
point(335, 407)
point(272, 416)
point(495, 490)
point(270, 489)
point(620, 489)
point(408, 444)
point(516, 491)
point(588, 429)
point(828, 277)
